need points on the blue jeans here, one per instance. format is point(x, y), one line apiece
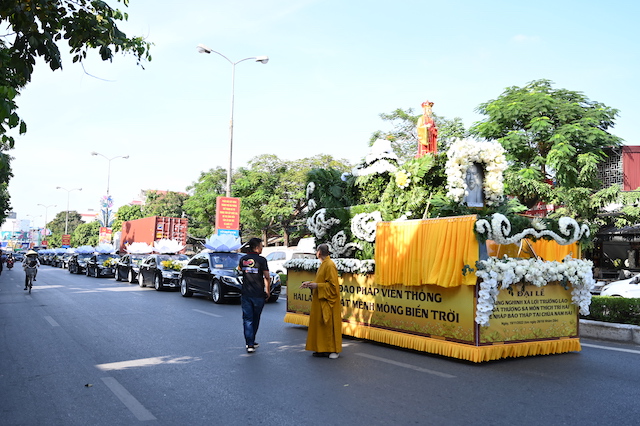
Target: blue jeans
point(251, 311)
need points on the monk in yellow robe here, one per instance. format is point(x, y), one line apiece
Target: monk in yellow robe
point(325, 323)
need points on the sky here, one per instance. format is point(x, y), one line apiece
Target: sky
point(334, 67)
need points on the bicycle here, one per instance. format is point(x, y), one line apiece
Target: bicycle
point(30, 273)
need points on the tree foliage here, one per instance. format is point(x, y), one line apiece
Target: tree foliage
point(404, 135)
point(58, 224)
point(124, 214)
point(201, 205)
point(33, 30)
point(165, 203)
point(554, 140)
point(86, 234)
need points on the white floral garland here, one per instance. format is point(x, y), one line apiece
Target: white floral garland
point(498, 274)
point(352, 266)
point(319, 225)
point(363, 225)
point(463, 153)
point(339, 245)
point(500, 228)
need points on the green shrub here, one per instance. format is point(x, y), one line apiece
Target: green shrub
point(614, 309)
point(283, 279)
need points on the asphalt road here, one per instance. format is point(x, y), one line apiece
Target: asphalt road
point(87, 351)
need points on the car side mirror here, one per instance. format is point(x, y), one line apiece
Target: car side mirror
point(203, 266)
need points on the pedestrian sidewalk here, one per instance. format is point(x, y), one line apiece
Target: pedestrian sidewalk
point(610, 331)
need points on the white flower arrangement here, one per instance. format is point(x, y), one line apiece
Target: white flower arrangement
point(311, 186)
point(167, 246)
point(363, 225)
point(319, 225)
point(105, 248)
point(403, 179)
point(223, 243)
point(380, 166)
point(463, 153)
point(139, 248)
point(499, 274)
point(352, 266)
point(500, 228)
point(339, 245)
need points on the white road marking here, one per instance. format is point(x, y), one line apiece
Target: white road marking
point(52, 321)
point(409, 366)
point(609, 348)
point(208, 313)
point(128, 400)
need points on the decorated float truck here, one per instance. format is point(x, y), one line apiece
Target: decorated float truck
point(467, 287)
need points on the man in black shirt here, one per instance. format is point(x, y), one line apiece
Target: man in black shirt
point(255, 290)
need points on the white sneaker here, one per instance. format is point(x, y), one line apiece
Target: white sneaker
point(334, 355)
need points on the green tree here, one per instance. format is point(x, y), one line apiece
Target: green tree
point(58, 224)
point(86, 234)
point(124, 214)
point(404, 135)
point(554, 140)
point(165, 203)
point(32, 29)
point(201, 205)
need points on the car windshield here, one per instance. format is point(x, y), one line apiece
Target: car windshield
point(225, 260)
point(84, 256)
point(172, 261)
point(137, 258)
point(103, 257)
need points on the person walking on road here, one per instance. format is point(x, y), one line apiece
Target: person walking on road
point(255, 291)
point(325, 322)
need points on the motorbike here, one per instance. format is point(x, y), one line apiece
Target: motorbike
point(9, 263)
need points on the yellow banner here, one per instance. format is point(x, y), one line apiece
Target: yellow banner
point(532, 313)
point(428, 310)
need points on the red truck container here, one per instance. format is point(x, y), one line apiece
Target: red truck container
point(154, 228)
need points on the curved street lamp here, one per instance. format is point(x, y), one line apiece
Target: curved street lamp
point(109, 168)
point(66, 222)
point(263, 60)
point(46, 208)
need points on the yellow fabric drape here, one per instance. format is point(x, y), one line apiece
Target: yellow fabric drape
point(548, 250)
point(431, 251)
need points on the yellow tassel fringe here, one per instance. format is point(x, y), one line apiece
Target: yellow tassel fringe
point(451, 349)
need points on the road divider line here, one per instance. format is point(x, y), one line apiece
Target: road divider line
point(208, 313)
point(609, 348)
point(409, 366)
point(128, 400)
point(52, 321)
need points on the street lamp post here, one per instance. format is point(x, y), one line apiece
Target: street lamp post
point(109, 168)
point(263, 60)
point(46, 208)
point(107, 201)
point(66, 222)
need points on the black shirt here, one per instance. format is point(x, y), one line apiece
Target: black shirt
point(253, 265)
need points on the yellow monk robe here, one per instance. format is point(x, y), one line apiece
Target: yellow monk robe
point(325, 322)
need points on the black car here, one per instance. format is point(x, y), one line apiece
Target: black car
point(78, 263)
point(163, 270)
point(102, 265)
point(215, 274)
point(128, 266)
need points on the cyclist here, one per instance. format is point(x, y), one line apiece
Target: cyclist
point(30, 265)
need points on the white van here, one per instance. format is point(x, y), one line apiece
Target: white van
point(278, 256)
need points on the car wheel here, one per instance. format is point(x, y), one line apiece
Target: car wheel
point(157, 283)
point(273, 298)
point(70, 269)
point(86, 271)
point(130, 276)
point(117, 275)
point(95, 272)
point(141, 281)
point(216, 292)
point(184, 290)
